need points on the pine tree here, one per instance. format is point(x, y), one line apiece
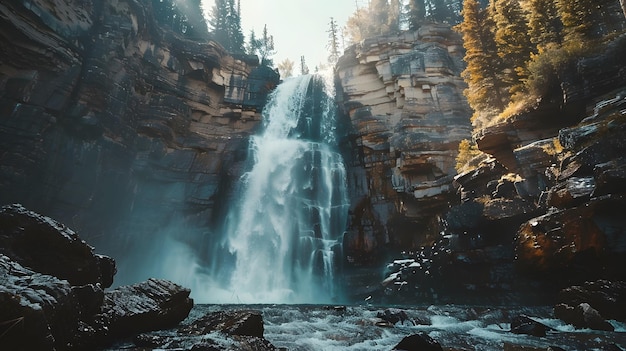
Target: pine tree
point(225, 22)
point(512, 42)
point(485, 88)
point(544, 24)
point(253, 44)
point(237, 38)
point(395, 16)
point(416, 12)
point(333, 42)
point(439, 11)
point(266, 48)
point(577, 18)
point(379, 16)
point(218, 21)
point(304, 69)
point(185, 18)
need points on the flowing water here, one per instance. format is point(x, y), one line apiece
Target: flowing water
point(357, 328)
point(292, 204)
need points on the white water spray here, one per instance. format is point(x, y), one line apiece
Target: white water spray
point(293, 202)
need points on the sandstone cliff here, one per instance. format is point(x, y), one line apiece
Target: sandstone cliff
point(544, 210)
point(404, 96)
point(116, 126)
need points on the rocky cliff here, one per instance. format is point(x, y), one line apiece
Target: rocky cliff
point(117, 126)
point(404, 96)
point(544, 209)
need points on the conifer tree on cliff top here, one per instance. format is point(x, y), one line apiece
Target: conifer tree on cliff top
point(486, 92)
point(225, 22)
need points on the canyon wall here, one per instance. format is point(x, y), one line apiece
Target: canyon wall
point(118, 127)
point(539, 212)
point(404, 97)
point(543, 208)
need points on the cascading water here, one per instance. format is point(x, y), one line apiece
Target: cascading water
point(293, 202)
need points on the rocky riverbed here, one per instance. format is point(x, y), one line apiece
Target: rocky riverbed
point(452, 327)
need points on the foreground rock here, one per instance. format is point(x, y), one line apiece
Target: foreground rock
point(418, 342)
point(526, 325)
point(591, 304)
point(232, 330)
point(37, 311)
point(49, 247)
point(248, 323)
point(151, 305)
point(51, 295)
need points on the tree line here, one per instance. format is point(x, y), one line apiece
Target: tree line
point(381, 17)
point(515, 49)
point(224, 26)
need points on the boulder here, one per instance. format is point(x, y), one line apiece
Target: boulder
point(418, 342)
point(49, 247)
point(393, 316)
point(247, 323)
point(150, 305)
point(582, 316)
point(526, 325)
point(607, 297)
point(37, 311)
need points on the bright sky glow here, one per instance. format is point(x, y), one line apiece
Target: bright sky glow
point(299, 27)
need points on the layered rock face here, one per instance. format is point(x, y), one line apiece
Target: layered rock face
point(404, 96)
point(116, 126)
point(544, 210)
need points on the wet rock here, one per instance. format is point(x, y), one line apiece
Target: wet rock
point(49, 247)
point(572, 192)
point(151, 305)
point(579, 241)
point(607, 297)
point(391, 316)
point(245, 323)
point(582, 316)
point(418, 342)
point(526, 325)
point(38, 311)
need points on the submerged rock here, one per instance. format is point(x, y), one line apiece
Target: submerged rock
point(526, 325)
point(607, 297)
point(248, 323)
point(418, 342)
point(582, 316)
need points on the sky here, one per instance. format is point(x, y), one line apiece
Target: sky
point(299, 27)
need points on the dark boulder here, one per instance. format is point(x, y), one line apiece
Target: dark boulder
point(418, 342)
point(526, 325)
point(150, 305)
point(582, 316)
point(49, 247)
point(246, 323)
point(37, 311)
point(607, 297)
point(391, 316)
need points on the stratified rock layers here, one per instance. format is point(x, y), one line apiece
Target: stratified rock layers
point(404, 96)
point(116, 126)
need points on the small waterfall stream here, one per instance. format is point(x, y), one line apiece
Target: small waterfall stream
point(292, 207)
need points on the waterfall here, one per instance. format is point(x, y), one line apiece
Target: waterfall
point(292, 204)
